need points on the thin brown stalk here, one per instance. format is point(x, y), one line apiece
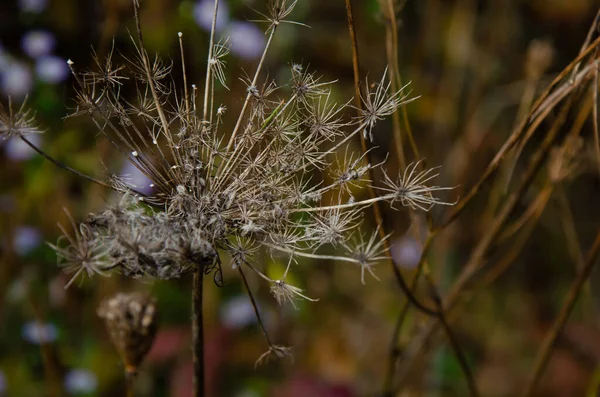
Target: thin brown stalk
point(378, 218)
point(208, 62)
point(65, 167)
point(53, 383)
point(255, 307)
point(198, 333)
point(396, 79)
point(391, 35)
point(151, 82)
point(185, 87)
point(478, 254)
point(595, 121)
point(572, 241)
point(593, 28)
point(363, 142)
point(533, 211)
point(129, 382)
point(454, 344)
point(526, 227)
point(545, 351)
point(394, 349)
point(539, 110)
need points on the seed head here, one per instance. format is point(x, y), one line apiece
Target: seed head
point(131, 322)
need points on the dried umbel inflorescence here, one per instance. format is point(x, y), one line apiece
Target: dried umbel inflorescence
point(131, 321)
point(234, 193)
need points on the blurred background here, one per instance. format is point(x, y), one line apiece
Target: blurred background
point(469, 61)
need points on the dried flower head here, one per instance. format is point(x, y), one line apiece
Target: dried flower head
point(275, 352)
point(131, 321)
point(82, 255)
point(17, 124)
point(380, 103)
point(259, 186)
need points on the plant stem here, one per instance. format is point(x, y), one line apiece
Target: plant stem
point(363, 142)
point(548, 344)
point(129, 378)
point(198, 333)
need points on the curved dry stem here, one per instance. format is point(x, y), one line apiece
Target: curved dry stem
point(546, 349)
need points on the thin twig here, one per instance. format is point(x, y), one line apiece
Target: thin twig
point(66, 167)
point(129, 382)
point(462, 360)
point(255, 307)
point(376, 208)
point(209, 61)
point(557, 328)
point(198, 333)
point(480, 251)
point(539, 110)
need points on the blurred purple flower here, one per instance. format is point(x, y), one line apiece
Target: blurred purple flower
point(80, 381)
point(136, 178)
point(18, 150)
point(35, 6)
point(37, 333)
point(247, 40)
point(406, 252)
point(26, 239)
point(203, 14)
point(237, 313)
point(16, 80)
point(38, 43)
point(51, 69)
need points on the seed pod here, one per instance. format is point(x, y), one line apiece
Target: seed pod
point(131, 322)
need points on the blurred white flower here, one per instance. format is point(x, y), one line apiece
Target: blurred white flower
point(406, 252)
point(26, 239)
point(36, 333)
point(238, 313)
point(16, 80)
point(38, 43)
point(247, 40)
point(18, 150)
point(80, 381)
point(35, 6)
point(136, 178)
point(203, 14)
point(51, 69)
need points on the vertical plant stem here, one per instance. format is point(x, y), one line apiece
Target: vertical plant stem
point(363, 142)
point(198, 333)
point(208, 61)
point(129, 378)
point(378, 218)
point(454, 343)
point(546, 349)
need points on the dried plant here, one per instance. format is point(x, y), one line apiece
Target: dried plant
point(228, 194)
point(131, 321)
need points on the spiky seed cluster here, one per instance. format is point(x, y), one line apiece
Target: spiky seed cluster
point(17, 124)
point(231, 193)
point(131, 321)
